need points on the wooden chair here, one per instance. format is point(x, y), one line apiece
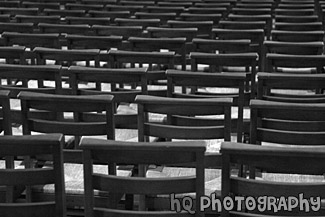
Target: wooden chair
point(160, 32)
point(303, 26)
point(33, 147)
point(88, 20)
point(68, 56)
point(164, 17)
point(81, 29)
point(221, 46)
point(297, 36)
point(37, 19)
point(144, 154)
point(93, 42)
point(234, 81)
point(274, 122)
point(18, 11)
point(144, 23)
point(64, 13)
point(275, 161)
point(125, 31)
point(109, 14)
point(185, 121)
point(204, 27)
point(17, 27)
point(276, 61)
point(256, 36)
point(75, 117)
point(10, 54)
point(124, 118)
point(5, 118)
point(297, 88)
point(161, 9)
point(156, 44)
point(217, 61)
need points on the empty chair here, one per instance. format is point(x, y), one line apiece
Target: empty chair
point(104, 43)
point(212, 85)
point(303, 26)
point(17, 27)
point(68, 56)
point(82, 29)
point(297, 36)
point(279, 182)
point(144, 23)
point(217, 61)
point(64, 12)
point(156, 44)
point(34, 147)
point(37, 19)
point(159, 32)
point(164, 17)
point(88, 20)
point(221, 46)
point(204, 27)
point(296, 62)
point(297, 88)
point(144, 154)
point(124, 31)
point(125, 118)
point(175, 4)
point(5, 118)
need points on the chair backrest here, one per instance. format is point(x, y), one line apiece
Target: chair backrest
point(296, 88)
point(64, 12)
point(33, 147)
point(221, 46)
point(274, 162)
point(31, 40)
point(112, 77)
point(109, 14)
point(18, 11)
point(41, 5)
point(297, 36)
point(296, 19)
point(164, 17)
point(93, 42)
point(274, 122)
point(132, 153)
point(144, 23)
point(303, 26)
point(85, 7)
point(43, 54)
point(204, 27)
point(295, 12)
point(48, 113)
point(162, 9)
point(5, 117)
point(37, 19)
point(216, 61)
point(274, 61)
point(233, 82)
point(88, 20)
point(124, 31)
point(156, 44)
point(11, 53)
point(82, 29)
point(160, 32)
point(299, 48)
point(215, 18)
point(16, 27)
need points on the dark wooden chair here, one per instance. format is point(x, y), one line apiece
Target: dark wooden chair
point(274, 122)
point(294, 63)
point(10, 4)
point(124, 31)
point(125, 118)
point(5, 18)
point(185, 121)
point(5, 118)
point(256, 36)
point(72, 116)
point(142, 154)
point(297, 88)
point(296, 19)
point(217, 61)
point(216, 83)
point(297, 36)
point(156, 44)
point(144, 23)
point(85, 7)
point(275, 161)
point(33, 147)
point(132, 2)
point(88, 20)
point(295, 12)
